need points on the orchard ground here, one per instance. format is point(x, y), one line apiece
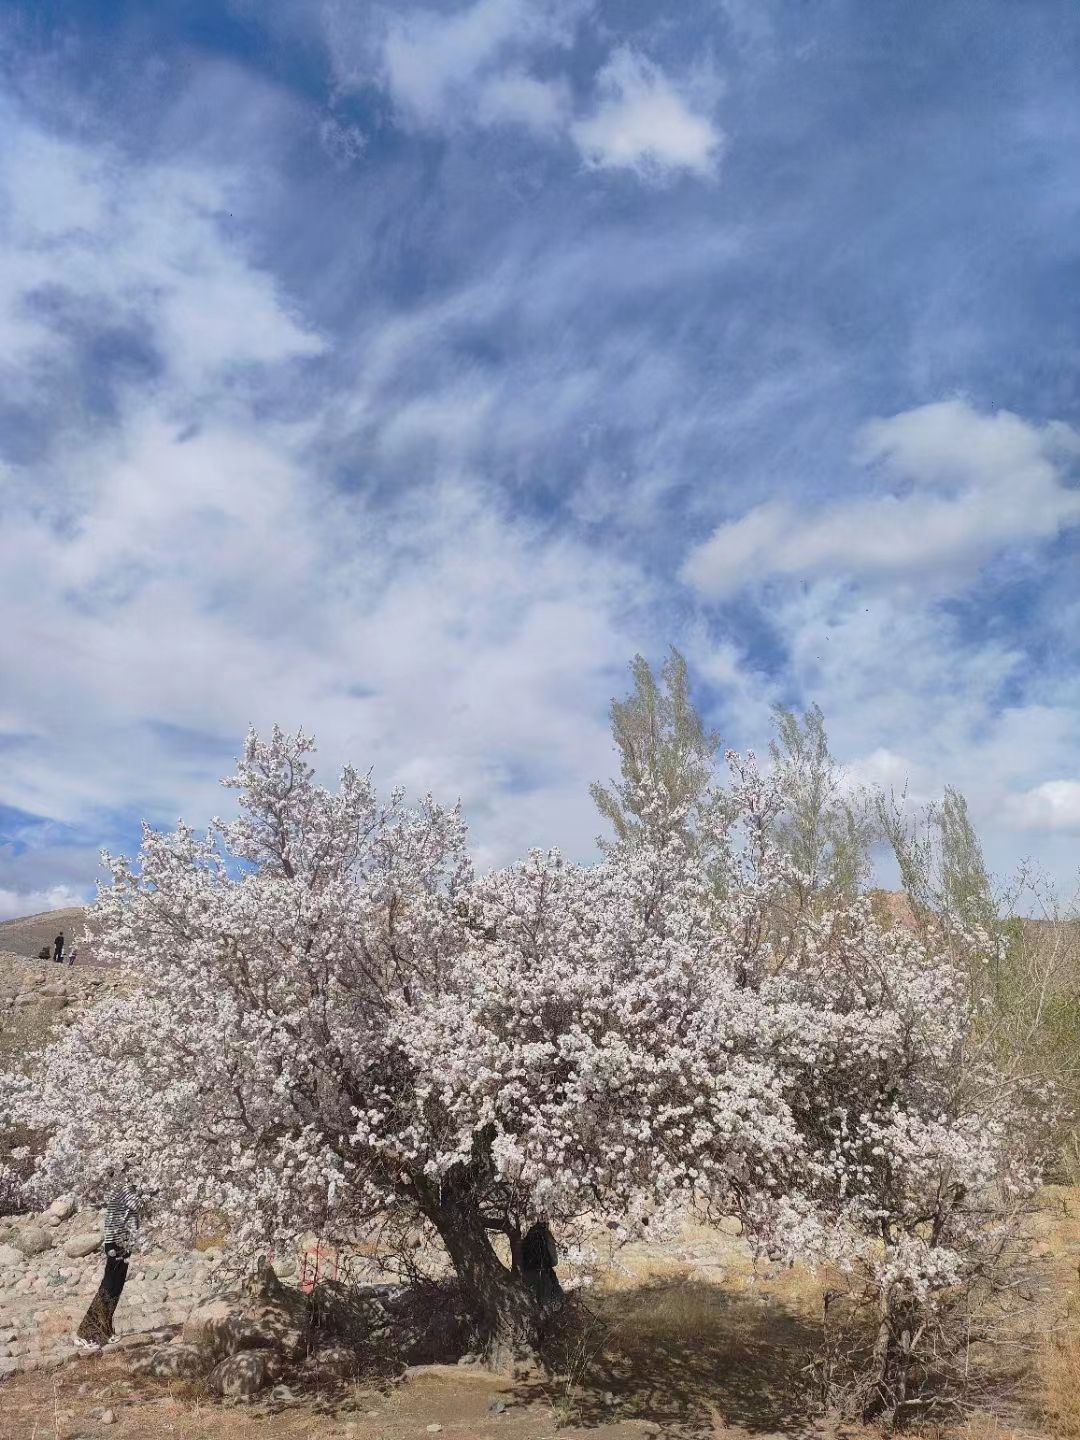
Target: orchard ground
point(690, 1340)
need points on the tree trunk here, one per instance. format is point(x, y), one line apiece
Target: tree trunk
point(877, 1397)
point(504, 1311)
point(893, 1355)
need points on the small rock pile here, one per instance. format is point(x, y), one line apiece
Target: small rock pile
point(251, 1337)
point(28, 982)
point(39, 996)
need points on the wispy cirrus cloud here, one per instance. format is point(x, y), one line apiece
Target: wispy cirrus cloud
point(400, 370)
point(193, 570)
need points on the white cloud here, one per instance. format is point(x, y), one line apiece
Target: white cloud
point(428, 55)
point(16, 903)
point(135, 246)
point(642, 122)
point(471, 66)
point(489, 63)
point(1053, 805)
point(182, 567)
point(963, 486)
point(516, 97)
point(447, 645)
point(344, 143)
point(886, 771)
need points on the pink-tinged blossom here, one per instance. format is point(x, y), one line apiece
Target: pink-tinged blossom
point(349, 1022)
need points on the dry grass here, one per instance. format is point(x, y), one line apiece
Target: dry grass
point(210, 1232)
point(692, 1357)
point(1059, 1383)
point(1055, 1383)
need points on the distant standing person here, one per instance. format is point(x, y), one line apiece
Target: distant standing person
point(58, 948)
point(121, 1231)
point(71, 956)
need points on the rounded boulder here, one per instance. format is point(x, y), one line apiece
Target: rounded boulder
point(80, 1246)
point(244, 1374)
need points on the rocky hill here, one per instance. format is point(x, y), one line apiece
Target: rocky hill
point(27, 935)
point(37, 996)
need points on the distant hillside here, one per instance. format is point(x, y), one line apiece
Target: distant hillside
point(28, 935)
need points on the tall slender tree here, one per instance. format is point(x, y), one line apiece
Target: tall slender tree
point(825, 827)
point(667, 758)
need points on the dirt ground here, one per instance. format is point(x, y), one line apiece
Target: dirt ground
point(685, 1347)
point(696, 1346)
point(685, 1392)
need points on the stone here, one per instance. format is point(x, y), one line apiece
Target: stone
point(26, 998)
point(63, 1207)
point(497, 1406)
point(708, 1274)
point(270, 1318)
point(33, 1240)
point(10, 1257)
point(173, 1362)
point(336, 1362)
point(108, 1417)
point(244, 1373)
point(434, 1428)
point(730, 1225)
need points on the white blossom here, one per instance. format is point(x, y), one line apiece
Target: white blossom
point(334, 1018)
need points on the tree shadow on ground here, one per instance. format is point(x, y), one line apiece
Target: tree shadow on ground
point(687, 1356)
point(391, 1326)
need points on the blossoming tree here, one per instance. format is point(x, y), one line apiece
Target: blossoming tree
point(335, 1018)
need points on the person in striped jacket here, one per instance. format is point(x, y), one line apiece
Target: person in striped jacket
point(122, 1218)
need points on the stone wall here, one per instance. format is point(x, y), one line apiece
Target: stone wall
point(50, 1266)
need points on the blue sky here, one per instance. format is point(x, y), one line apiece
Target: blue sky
point(400, 370)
